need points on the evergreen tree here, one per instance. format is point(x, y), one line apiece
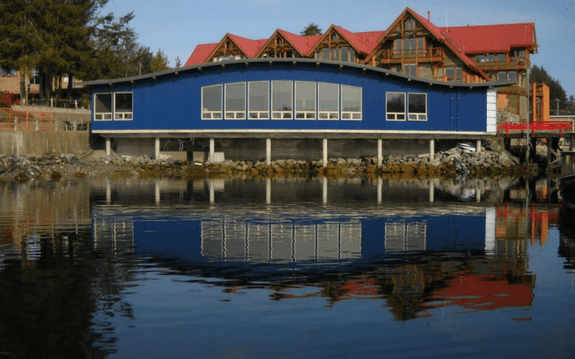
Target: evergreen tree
point(178, 62)
point(159, 62)
point(556, 91)
point(311, 29)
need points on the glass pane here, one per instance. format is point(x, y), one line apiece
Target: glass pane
point(236, 97)
point(328, 97)
point(345, 54)
point(350, 98)
point(282, 95)
point(417, 103)
point(305, 96)
point(104, 102)
point(325, 54)
point(212, 98)
point(124, 102)
point(395, 102)
point(258, 96)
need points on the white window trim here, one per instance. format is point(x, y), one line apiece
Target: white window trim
point(396, 114)
point(212, 113)
point(124, 115)
point(282, 113)
point(103, 115)
point(420, 117)
point(352, 115)
point(260, 115)
point(329, 115)
point(307, 114)
point(237, 115)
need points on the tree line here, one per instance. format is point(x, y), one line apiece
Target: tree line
point(51, 38)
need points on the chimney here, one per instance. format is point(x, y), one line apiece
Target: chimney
point(429, 16)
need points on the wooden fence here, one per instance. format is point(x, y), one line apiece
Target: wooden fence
point(38, 120)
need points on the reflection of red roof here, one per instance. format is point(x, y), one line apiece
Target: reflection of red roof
point(485, 292)
point(488, 38)
point(200, 54)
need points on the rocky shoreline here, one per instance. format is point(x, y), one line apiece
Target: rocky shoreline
point(492, 161)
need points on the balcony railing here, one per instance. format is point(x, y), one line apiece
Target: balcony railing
point(431, 54)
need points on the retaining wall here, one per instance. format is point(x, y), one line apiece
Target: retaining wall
point(39, 143)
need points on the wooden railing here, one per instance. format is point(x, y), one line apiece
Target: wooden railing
point(427, 54)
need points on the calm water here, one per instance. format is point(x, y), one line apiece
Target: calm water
point(285, 269)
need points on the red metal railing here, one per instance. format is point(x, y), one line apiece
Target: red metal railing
point(536, 126)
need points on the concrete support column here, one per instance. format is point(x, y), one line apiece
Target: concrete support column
point(268, 151)
point(212, 191)
point(325, 152)
point(157, 148)
point(431, 150)
point(108, 146)
point(431, 192)
point(478, 146)
point(379, 151)
point(212, 150)
point(157, 188)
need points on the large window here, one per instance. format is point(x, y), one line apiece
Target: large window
point(305, 100)
point(236, 101)
point(417, 107)
point(401, 106)
point(123, 106)
point(351, 102)
point(395, 106)
point(282, 100)
point(251, 100)
point(212, 102)
point(259, 100)
point(114, 106)
point(328, 101)
point(103, 108)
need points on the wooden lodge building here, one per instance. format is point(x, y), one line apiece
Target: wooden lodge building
point(393, 91)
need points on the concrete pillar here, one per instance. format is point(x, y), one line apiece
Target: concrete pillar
point(212, 191)
point(212, 150)
point(268, 151)
point(379, 151)
point(157, 188)
point(108, 146)
point(478, 146)
point(108, 192)
point(431, 150)
point(478, 195)
point(157, 148)
point(325, 152)
point(431, 192)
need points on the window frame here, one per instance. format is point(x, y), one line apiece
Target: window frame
point(235, 112)
point(353, 115)
point(283, 112)
point(330, 114)
point(265, 113)
point(124, 115)
point(306, 113)
point(221, 111)
point(396, 114)
point(103, 114)
point(419, 116)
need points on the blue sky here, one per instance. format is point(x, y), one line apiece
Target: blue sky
point(177, 26)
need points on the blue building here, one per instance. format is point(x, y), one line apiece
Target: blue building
point(237, 108)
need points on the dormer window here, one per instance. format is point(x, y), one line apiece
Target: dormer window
point(409, 24)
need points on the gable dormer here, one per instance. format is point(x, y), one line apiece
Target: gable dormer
point(336, 45)
point(226, 49)
point(279, 46)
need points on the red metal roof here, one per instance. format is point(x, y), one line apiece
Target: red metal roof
point(364, 42)
point(249, 47)
point(303, 44)
point(490, 38)
point(200, 54)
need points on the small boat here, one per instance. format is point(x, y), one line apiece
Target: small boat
point(567, 187)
